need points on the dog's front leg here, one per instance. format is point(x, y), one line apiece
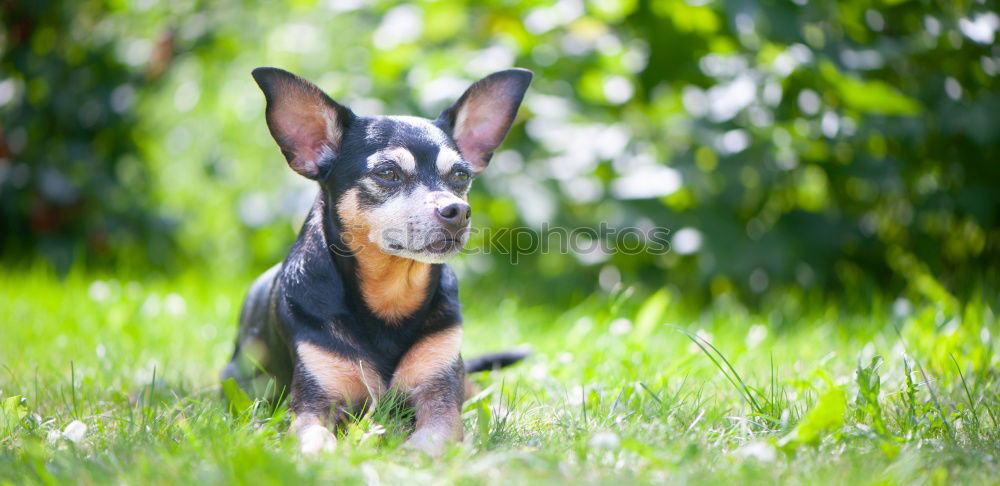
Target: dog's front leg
point(431, 373)
point(325, 388)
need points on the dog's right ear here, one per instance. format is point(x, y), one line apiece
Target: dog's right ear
point(307, 124)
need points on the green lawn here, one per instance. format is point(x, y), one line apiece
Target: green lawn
point(616, 392)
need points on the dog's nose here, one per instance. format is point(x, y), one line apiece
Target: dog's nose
point(455, 215)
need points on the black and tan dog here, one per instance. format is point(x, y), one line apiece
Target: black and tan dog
point(364, 302)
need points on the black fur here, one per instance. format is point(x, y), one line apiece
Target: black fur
point(494, 361)
point(316, 288)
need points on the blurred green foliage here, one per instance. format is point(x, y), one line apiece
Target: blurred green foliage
point(808, 143)
point(71, 174)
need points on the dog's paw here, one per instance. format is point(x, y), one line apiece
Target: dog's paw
point(315, 439)
point(426, 441)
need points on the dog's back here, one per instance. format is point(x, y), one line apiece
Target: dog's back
point(255, 353)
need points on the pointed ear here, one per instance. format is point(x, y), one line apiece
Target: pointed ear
point(306, 123)
point(480, 119)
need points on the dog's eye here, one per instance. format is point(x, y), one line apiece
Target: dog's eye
point(388, 175)
point(459, 176)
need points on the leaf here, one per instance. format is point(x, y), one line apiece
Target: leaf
point(871, 96)
point(876, 97)
point(868, 382)
point(826, 416)
point(483, 420)
point(12, 410)
point(238, 399)
point(651, 312)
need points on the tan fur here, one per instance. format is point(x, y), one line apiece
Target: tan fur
point(437, 422)
point(354, 382)
point(393, 287)
point(402, 157)
point(446, 159)
point(429, 356)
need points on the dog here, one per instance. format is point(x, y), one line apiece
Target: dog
point(364, 302)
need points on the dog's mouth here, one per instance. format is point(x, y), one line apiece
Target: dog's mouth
point(437, 247)
point(444, 245)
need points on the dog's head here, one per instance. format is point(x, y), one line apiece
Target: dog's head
point(398, 182)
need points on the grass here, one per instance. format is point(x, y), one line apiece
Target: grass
point(622, 388)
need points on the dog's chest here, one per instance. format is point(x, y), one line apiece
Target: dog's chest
point(384, 346)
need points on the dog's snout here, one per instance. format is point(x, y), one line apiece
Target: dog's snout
point(455, 215)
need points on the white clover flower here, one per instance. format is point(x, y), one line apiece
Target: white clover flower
point(605, 440)
point(75, 431)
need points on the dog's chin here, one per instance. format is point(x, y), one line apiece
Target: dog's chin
point(435, 252)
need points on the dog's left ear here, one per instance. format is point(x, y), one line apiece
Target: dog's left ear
point(480, 119)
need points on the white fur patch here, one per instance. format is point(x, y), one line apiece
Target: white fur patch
point(315, 438)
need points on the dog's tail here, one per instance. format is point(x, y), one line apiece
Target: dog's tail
point(495, 361)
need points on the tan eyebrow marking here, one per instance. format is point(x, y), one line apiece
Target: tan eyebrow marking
point(399, 155)
point(446, 159)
